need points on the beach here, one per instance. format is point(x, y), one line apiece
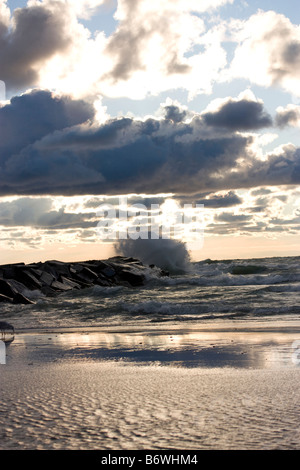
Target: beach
point(211, 386)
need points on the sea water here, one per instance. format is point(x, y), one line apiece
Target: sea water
point(266, 289)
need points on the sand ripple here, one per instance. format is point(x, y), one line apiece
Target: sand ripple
point(121, 406)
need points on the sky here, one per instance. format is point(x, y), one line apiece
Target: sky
point(169, 103)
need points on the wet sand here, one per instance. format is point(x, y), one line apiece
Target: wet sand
point(229, 386)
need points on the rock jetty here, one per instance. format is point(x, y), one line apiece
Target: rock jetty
point(55, 277)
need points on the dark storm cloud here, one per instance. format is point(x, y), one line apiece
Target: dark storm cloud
point(151, 156)
point(174, 113)
point(33, 115)
point(278, 169)
point(36, 34)
point(44, 150)
point(239, 115)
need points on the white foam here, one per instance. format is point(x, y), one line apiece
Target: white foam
point(171, 255)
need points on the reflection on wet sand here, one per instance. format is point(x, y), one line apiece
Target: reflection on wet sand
point(247, 349)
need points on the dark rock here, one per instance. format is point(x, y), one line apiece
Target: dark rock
point(86, 275)
point(4, 298)
point(132, 278)
point(96, 266)
point(48, 291)
point(26, 277)
point(55, 277)
point(76, 268)
point(47, 278)
point(60, 286)
point(17, 286)
point(60, 267)
point(21, 299)
point(104, 281)
point(50, 270)
point(126, 260)
point(7, 288)
point(13, 290)
point(89, 274)
point(70, 282)
point(108, 271)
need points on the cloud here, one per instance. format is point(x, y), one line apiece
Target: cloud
point(174, 113)
point(155, 47)
point(121, 156)
point(229, 218)
point(31, 116)
point(32, 36)
point(51, 145)
point(40, 213)
point(239, 114)
point(289, 116)
point(268, 51)
point(214, 201)
point(152, 49)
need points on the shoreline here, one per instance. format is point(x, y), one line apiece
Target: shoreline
point(243, 344)
point(199, 388)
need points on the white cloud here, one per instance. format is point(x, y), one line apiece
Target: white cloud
point(152, 49)
point(268, 51)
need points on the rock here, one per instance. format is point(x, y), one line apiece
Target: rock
point(60, 267)
point(56, 285)
point(54, 277)
point(7, 288)
point(21, 299)
point(26, 277)
point(48, 291)
point(108, 271)
point(104, 281)
point(47, 278)
point(125, 260)
point(85, 275)
point(88, 274)
point(4, 298)
point(71, 283)
point(9, 270)
point(76, 268)
point(50, 270)
point(13, 290)
point(132, 278)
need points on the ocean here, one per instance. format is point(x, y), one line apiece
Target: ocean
point(208, 291)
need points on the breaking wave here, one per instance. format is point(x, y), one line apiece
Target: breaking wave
point(168, 254)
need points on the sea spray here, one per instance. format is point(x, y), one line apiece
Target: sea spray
point(168, 254)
